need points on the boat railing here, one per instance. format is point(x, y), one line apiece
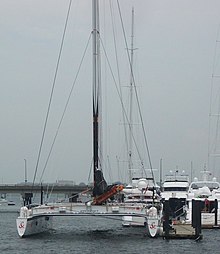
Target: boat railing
point(177, 178)
point(178, 216)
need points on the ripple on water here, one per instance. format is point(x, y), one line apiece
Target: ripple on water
point(96, 235)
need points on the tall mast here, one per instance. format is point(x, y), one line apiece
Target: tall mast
point(96, 82)
point(100, 185)
point(130, 164)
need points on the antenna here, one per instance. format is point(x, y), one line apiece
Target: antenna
point(25, 170)
point(161, 168)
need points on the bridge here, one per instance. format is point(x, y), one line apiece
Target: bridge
point(66, 189)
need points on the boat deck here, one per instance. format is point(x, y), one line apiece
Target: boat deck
point(71, 209)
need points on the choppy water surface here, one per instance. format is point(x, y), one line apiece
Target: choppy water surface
point(96, 235)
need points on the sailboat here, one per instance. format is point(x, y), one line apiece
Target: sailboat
point(206, 188)
point(34, 219)
point(141, 187)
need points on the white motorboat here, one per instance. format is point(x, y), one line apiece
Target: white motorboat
point(11, 203)
point(141, 191)
point(207, 191)
point(175, 189)
point(3, 201)
point(175, 186)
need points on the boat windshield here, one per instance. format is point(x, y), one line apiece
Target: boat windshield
point(176, 178)
point(175, 189)
point(210, 185)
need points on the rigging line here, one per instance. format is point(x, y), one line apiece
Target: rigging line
point(120, 98)
point(211, 94)
point(66, 105)
point(118, 72)
point(121, 101)
point(77, 194)
point(120, 176)
point(132, 74)
point(217, 126)
point(49, 195)
point(215, 145)
point(51, 95)
point(102, 162)
point(90, 172)
point(105, 127)
point(110, 169)
point(47, 191)
point(213, 72)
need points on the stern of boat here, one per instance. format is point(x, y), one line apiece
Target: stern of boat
point(153, 224)
point(21, 226)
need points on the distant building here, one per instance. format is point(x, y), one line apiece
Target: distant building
point(65, 182)
point(82, 184)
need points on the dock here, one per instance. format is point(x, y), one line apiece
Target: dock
point(182, 231)
point(176, 227)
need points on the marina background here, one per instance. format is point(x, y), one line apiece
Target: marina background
point(173, 97)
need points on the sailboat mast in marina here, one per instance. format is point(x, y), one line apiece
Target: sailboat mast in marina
point(100, 184)
point(130, 164)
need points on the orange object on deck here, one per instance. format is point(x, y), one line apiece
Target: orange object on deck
point(100, 199)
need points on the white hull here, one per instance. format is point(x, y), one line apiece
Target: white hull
point(152, 222)
point(131, 221)
point(39, 219)
point(207, 219)
point(34, 225)
point(153, 227)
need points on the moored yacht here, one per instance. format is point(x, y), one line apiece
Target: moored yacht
point(175, 186)
point(141, 191)
point(175, 189)
point(207, 191)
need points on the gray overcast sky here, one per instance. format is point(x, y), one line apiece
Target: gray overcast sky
point(173, 64)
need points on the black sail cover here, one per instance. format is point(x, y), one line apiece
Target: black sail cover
point(100, 185)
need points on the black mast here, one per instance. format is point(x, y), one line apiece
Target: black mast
point(100, 185)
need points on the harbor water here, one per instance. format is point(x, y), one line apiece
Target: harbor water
point(95, 235)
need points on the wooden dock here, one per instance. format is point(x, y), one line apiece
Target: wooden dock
point(176, 227)
point(182, 231)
